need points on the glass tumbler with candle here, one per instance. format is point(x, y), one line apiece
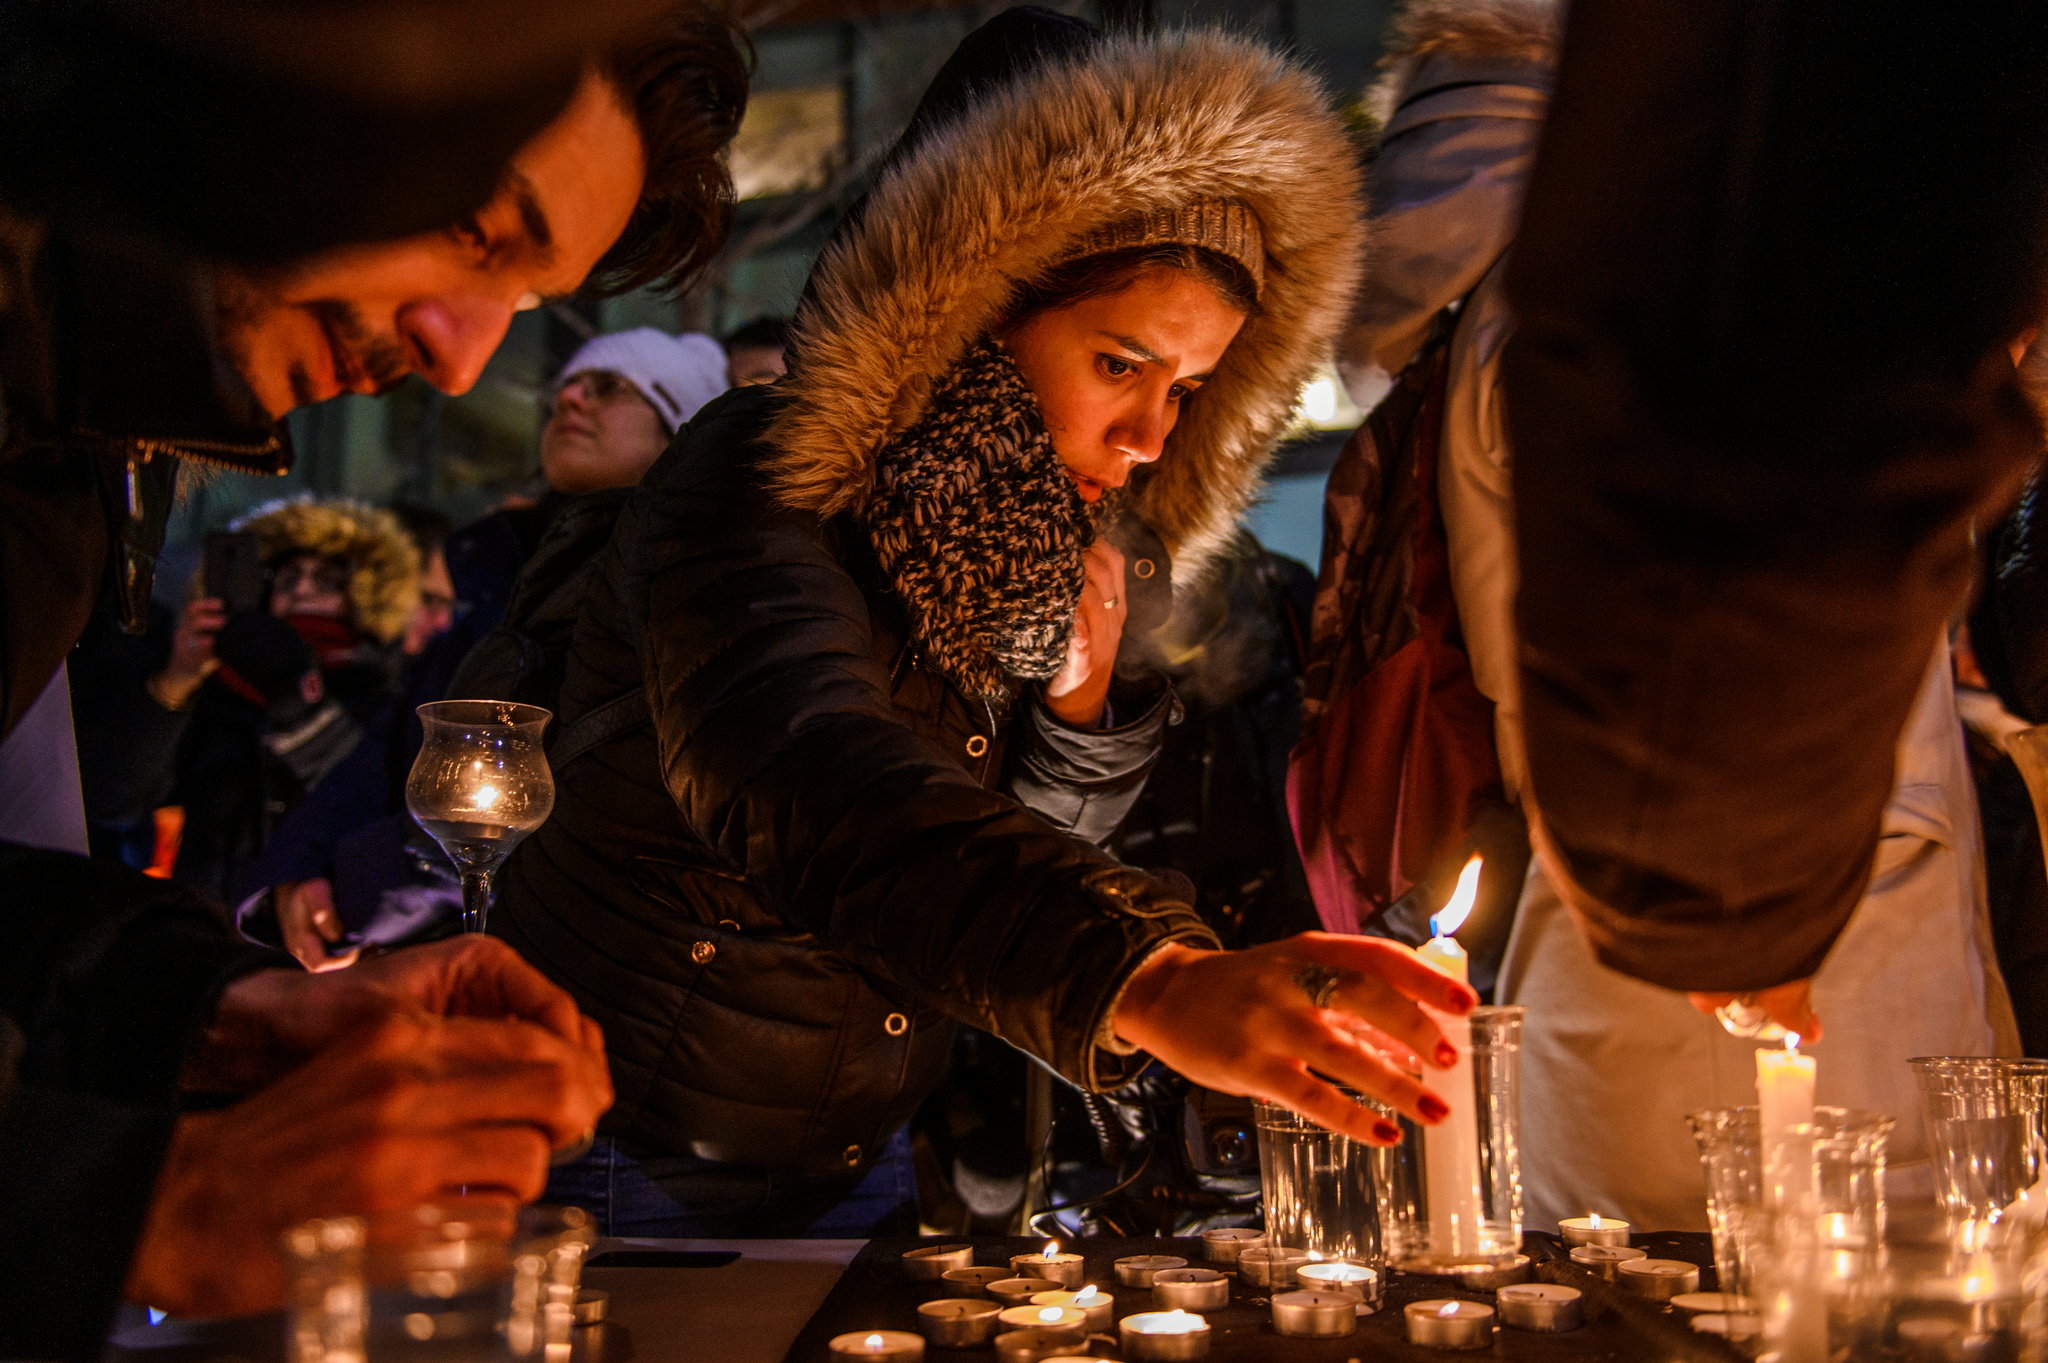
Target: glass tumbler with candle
point(1451, 1195)
point(480, 784)
point(461, 1280)
point(1320, 1190)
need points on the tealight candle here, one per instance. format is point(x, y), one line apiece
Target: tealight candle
point(1448, 1324)
point(1190, 1289)
point(958, 1322)
point(1353, 1280)
point(1314, 1315)
point(1050, 1264)
point(1097, 1308)
point(1593, 1229)
point(934, 1261)
point(1015, 1291)
point(972, 1282)
point(1723, 1302)
point(1601, 1259)
point(1270, 1265)
point(1545, 1307)
point(1515, 1268)
point(1164, 1336)
point(1136, 1270)
point(1038, 1317)
point(1035, 1344)
point(1225, 1244)
point(1658, 1279)
point(890, 1346)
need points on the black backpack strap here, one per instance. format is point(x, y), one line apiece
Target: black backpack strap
point(601, 725)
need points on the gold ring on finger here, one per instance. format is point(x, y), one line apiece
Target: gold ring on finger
point(1321, 982)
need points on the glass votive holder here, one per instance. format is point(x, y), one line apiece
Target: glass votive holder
point(1985, 1130)
point(1319, 1188)
point(1451, 1195)
point(445, 1280)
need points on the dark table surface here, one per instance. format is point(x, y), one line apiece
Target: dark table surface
point(874, 1294)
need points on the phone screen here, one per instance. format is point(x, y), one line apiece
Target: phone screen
point(234, 569)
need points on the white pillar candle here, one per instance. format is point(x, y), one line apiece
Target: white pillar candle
point(1593, 1229)
point(1451, 1147)
point(1547, 1308)
point(1040, 1317)
point(1097, 1308)
point(1066, 1270)
point(1447, 1324)
point(1163, 1336)
point(868, 1346)
point(958, 1322)
point(1791, 1177)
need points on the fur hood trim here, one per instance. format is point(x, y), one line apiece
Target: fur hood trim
point(1482, 30)
point(1006, 189)
point(384, 566)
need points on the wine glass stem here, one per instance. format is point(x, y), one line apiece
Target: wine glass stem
point(476, 899)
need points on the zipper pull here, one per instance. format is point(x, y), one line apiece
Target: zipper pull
point(135, 459)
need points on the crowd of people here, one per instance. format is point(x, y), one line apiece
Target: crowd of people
point(873, 639)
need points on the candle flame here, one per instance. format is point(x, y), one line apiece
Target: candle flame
point(872, 1342)
point(1087, 1296)
point(486, 796)
point(1593, 1220)
point(1051, 1315)
point(1448, 1309)
point(1052, 1247)
point(1791, 1043)
point(1458, 907)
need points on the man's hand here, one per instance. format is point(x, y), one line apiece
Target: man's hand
point(1788, 1005)
point(271, 1020)
point(1240, 1022)
point(308, 922)
point(192, 660)
point(1079, 691)
point(408, 1110)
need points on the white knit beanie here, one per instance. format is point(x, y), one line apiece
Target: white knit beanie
point(677, 374)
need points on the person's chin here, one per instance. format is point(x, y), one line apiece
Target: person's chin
point(1091, 489)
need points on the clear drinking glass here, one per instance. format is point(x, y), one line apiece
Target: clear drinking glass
point(457, 1282)
point(1985, 1129)
point(1781, 1264)
point(479, 785)
point(1319, 1190)
point(1420, 1238)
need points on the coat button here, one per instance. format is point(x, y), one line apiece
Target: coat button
point(702, 952)
point(896, 1024)
point(1144, 568)
point(976, 746)
point(852, 1155)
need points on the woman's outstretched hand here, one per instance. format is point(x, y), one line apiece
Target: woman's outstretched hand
point(1243, 1022)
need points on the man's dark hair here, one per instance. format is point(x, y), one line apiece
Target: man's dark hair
point(684, 80)
point(766, 332)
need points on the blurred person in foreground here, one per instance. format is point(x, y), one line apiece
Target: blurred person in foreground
point(348, 867)
point(453, 1066)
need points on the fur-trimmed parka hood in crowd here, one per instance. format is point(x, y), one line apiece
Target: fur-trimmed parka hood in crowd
point(996, 194)
point(383, 564)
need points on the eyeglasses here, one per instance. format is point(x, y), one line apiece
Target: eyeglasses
point(323, 576)
point(599, 387)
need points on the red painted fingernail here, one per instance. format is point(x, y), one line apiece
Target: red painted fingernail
point(1433, 1107)
point(1387, 1132)
point(1446, 1054)
point(1467, 1000)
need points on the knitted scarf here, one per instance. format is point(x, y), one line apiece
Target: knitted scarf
point(979, 527)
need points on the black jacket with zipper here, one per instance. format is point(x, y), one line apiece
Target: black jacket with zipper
point(778, 896)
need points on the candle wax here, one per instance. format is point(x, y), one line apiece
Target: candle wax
point(1451, 1148)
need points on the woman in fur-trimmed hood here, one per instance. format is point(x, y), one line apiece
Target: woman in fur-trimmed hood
point(875, 626)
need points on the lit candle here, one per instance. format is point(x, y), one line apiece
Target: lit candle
point(1164, 1336)
point(1036, 1317)
point(1314, 1315)
point(1445, 1324)
point(957, 1322)
point(1097, 1308)
point(890, 1346)
point(1593, 1229)
point(1355, 1280)
point(1451, 1148)
point(1190, 1289)
point(1791, 1178)
point(1064, 1269)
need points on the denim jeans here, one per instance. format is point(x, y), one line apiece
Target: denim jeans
point(637, 1192)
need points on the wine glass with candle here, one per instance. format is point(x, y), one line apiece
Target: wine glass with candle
point(479, 785)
